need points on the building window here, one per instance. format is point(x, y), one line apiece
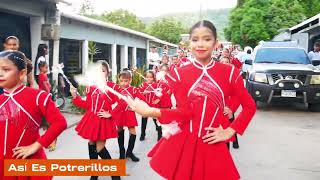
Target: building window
point(141, 58)
point(70, 54)
point(104, 53)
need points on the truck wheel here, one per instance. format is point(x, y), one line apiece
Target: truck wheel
point(314, 107)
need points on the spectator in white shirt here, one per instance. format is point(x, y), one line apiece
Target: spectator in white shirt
point(41, 57)
point(315, 54)
point(153, 58)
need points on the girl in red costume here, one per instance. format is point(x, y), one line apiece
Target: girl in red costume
point(198, 151)
point(165, 99)
point(233, 60)
point(150, 89)
point(20, 117)
point(97, 125)
point(127, 117)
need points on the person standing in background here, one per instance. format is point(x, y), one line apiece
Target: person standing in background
point(41, 57)
point(153, 58)
point(13, 43)
point(315, 54)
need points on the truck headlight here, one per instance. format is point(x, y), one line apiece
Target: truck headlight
point(260, 77)
point(315, 79)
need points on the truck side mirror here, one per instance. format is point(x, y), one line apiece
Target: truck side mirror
point(248, 61)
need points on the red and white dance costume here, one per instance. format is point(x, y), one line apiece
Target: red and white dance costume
point(91, 126)
point(200, 99)
point(165, 99)
point(184, 61)
point(20, 119)
point(149, 90)
point(152, 92)
point(114, 86)
point(127, 118)
point(236, 62)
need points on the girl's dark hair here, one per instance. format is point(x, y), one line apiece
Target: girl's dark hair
point(126, 74)
point(41, 52)
point(105, 64)
point(150, 72)
point(207, 24)
point(42, 64)
point(10, 37)
point(16, 57)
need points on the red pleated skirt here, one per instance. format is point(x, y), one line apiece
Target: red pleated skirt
point(94, 128)
point(126, 119)
point(184, 156)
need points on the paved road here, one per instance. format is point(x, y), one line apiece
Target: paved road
point(281, 143)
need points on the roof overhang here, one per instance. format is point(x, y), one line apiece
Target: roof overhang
point(115, 27)
point(306, 25)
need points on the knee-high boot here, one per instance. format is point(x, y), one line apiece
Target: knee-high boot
point(93, 155)
point(131, 143)
point(122, 150)
point(104, 154)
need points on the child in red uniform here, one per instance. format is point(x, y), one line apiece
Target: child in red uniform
point(44, 85)
point(43, 78)
point(198, 151)
point(152, 95)
point(165, 99)
point(97, 125)
point(126, 117)
point(233, 60)
point(174, 62)
point(183, 60)
point(20, 117)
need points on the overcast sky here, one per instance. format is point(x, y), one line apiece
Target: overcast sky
point(151, 8)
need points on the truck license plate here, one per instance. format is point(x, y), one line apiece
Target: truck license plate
point(288, 93)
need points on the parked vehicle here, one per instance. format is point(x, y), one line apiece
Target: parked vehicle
point(282, 70)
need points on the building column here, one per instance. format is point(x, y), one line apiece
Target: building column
point(85, 55)
point(124, 56)
point(114, 61)
point(35, 37)
point(53, 16)
point(147, 54)
point(134, 57)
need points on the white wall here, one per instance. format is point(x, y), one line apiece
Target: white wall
point(302, 39)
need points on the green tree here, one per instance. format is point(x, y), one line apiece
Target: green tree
point(123, 18)
point(310, 7)
point(283, 14)
point(166, 29)
point(258, 20)
point(252, 28)
point(240, 2)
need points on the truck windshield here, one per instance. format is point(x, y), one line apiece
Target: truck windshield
point(282, 56)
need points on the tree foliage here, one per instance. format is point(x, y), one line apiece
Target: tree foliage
point(123, 18)
point(255, 20)
point(167, 29)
